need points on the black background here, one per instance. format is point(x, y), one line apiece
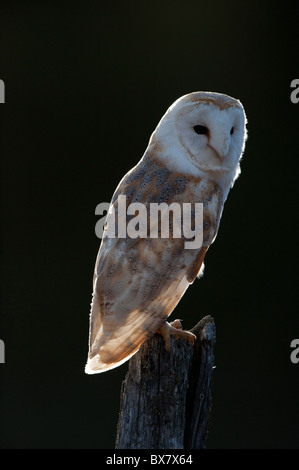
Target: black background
point(86, 84)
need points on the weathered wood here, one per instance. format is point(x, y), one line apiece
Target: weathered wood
point(166, 396)
point(199, 396)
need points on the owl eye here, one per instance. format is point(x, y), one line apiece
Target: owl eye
point(232, 131)
point(201, 129)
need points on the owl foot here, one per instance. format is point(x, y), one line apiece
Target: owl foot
point(174, 329)
point(176, 324)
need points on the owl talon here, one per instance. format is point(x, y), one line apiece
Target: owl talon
point(168, 330)
point(176, 324)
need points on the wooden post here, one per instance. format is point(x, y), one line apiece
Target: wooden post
point(166, 396)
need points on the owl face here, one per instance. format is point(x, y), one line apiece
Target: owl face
point(204, 133)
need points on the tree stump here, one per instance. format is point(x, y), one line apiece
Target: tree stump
point(166, 395)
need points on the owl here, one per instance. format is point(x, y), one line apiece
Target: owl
point(193, 156)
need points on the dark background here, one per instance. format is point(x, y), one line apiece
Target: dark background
point(86, 84)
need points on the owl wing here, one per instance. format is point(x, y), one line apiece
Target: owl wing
point(138, 282)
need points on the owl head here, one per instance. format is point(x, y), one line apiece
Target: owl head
point(203, 133)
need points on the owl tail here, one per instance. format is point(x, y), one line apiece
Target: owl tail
point(96, 365)
point(113, 344)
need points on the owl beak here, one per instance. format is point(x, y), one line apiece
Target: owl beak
point(217, 154)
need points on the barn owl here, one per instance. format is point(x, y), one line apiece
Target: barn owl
point(193, 156)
